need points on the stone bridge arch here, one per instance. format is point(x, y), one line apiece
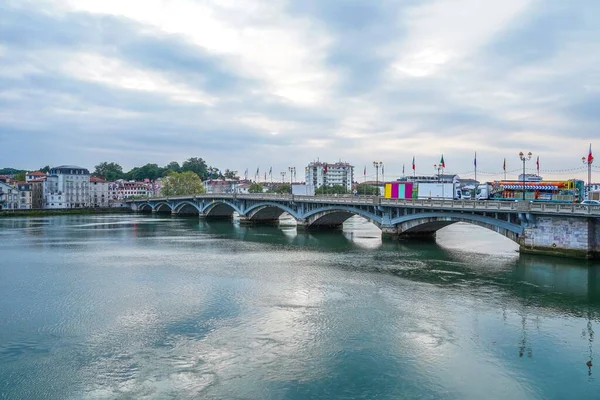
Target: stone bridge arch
point(334, 217)
point(186, 208)
point(220, 209)
point(268, 212)
point(162, 207)
point(425, 225)
point(144, 207)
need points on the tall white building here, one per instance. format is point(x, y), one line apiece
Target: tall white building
point(330, 174)
point(67, 186)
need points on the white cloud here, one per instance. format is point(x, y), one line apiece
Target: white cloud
point(442, 33)
point(257, 38)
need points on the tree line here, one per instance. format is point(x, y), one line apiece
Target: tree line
point(112, 171)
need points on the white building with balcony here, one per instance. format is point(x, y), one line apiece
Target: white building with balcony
point(320, 174)
point(67, 186)
point(9, 197)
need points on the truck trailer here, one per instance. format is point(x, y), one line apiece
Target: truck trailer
point(438, 190)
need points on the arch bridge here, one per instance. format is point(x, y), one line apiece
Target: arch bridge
point(550, 228)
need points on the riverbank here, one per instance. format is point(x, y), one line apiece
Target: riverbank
point(71, 211)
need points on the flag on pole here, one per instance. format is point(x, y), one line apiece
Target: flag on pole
point(442, 162)
point(413, 163)
point(504, 165)
point(325, 169)
point(270, 171)
point(365, 171)
point(265, 176)
point(590, 158)
point(402, 169)
point(475, 160)
point(381, 169)
point(537, 164)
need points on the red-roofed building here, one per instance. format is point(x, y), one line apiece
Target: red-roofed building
point(35, 175)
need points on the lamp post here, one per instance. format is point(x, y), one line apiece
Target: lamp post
point(377, 165)
point(282, 176)
point(292, 174)
point(524, 158)
point(588, 161)
point(438, 168)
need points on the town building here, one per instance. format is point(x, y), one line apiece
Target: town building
point(99, 194)
point(319, 174)
point(221, 185)
point(37, 193)
point(67, 186)
point(9, 197)
point(34, 176)
point(25, 195)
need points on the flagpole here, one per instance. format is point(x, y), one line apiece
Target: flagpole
point(475, 165)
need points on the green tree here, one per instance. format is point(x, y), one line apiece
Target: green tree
point(148, 171)
point(197, 165)
point(10, 171)
point(19, 176)
point(173, 166)
point(181, 184)
point(335, 189)
point(45, 169)
point(228, 174)
point(364, 189)
point(284, 188)
point(110, 171)
point(255, 188)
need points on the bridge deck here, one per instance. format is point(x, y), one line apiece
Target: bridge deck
point(438, 204)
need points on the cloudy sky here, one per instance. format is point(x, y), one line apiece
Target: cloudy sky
point(251, 83)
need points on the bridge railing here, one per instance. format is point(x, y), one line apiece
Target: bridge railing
point(472, 205)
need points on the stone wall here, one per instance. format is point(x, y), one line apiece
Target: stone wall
point(560, 235)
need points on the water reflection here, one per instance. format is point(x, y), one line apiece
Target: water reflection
point(151, 307)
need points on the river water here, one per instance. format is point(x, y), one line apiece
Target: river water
point(123, 306)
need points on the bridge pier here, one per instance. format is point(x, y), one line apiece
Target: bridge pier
point(562, 236)
point(255, 222)
point(389, 233)
point(206, 217)
point(418, 236)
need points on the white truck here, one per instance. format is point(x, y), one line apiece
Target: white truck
point(438, 190)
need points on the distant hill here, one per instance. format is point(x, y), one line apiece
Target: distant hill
point(10, 171)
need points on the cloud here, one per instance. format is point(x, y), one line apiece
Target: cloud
point(352, 80)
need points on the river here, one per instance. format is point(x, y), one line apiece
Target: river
point(150, 307)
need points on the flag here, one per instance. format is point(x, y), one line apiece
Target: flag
point(325, 169)
point(257, 173)
point(537, 164)
point(270, 171)
point(381, 169)
point(590, 158)
point(442, 163)
point(413, 163)
point(475, 160)
point(504, 165)
point(365, 171)
point(265, 175)
point(402, 169)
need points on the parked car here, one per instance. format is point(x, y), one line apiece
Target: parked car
point(591, 202)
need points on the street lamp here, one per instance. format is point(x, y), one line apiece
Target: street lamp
point(438, 168)
point(377, 165)
point(588, 161)
point(282, 176)
point(292, 174)
point(524, 158)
